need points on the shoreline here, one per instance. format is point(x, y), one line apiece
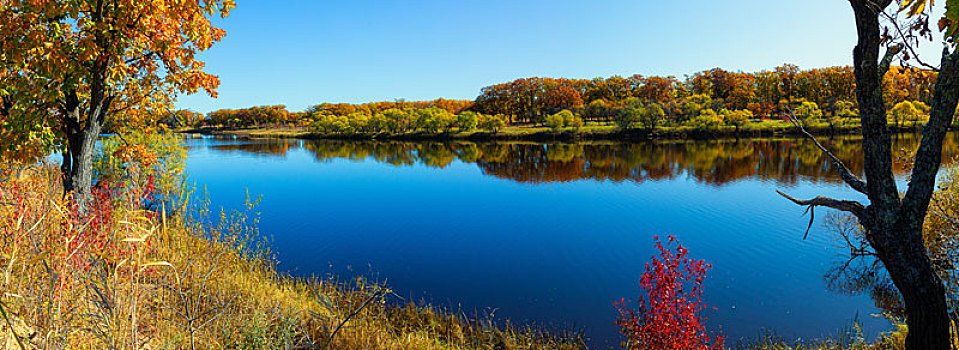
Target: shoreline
point(539, 134)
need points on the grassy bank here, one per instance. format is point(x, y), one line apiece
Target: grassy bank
point(126, 278)
point(590, 131)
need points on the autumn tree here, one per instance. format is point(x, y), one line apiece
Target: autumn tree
point(73, 65)
point(652, 116)
point(467, 121)
point(893, 221)
point(902, 112)
point(658, 89)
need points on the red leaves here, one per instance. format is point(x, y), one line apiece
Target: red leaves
point(98, 233)
point(670, 313)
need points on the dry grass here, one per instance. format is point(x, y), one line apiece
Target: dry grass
point(126, 278)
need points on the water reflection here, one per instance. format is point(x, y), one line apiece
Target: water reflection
point(866, 275)
point(714, 162)
point(268, 148)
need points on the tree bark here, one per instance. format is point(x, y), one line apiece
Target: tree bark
point(904, 255)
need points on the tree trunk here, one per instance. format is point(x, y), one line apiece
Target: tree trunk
point(81, 138)
point(894, 224)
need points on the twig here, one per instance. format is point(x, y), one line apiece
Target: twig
point(10, 324)
point(376, 294)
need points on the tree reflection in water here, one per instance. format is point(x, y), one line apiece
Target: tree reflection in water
point(714, 162)
point(863, 273)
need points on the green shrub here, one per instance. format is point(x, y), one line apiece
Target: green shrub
point(653, 115)
point(737, 118)
point(446, 121)
point(358, 122)
point(398, 120)
point(332, 124)
point(571, 120)
point(554, 121)
point(627, 116)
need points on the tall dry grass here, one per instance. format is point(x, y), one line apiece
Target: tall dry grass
point(177, 277)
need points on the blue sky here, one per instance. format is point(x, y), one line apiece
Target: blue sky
point(301, 53)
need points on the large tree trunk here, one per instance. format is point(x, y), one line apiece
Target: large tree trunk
point(81, 138)
point(894, 223)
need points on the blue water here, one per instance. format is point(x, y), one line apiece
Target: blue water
point(439, 227)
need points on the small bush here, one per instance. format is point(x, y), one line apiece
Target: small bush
point(670, 314)
point(707, 119)
point(808, 113)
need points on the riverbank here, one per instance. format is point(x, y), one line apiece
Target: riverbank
point(591, 131)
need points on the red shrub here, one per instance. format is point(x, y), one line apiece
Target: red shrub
point(670, 314)
point(97, 233)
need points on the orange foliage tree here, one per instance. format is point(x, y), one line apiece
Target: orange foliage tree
point(69, 66)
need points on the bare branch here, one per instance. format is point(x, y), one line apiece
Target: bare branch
point(877, 6)
point(884, 66)
point(847, 176)
point(853, 207)
point(12, 329)
point(849, 206)
point(373, 296)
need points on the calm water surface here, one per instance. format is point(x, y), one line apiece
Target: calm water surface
point(553, 234)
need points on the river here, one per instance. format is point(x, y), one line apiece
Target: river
point(554, 234)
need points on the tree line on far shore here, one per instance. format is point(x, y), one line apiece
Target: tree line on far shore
point(708, 99)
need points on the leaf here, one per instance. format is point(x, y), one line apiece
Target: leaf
point(950, 21)
point(918, 8)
